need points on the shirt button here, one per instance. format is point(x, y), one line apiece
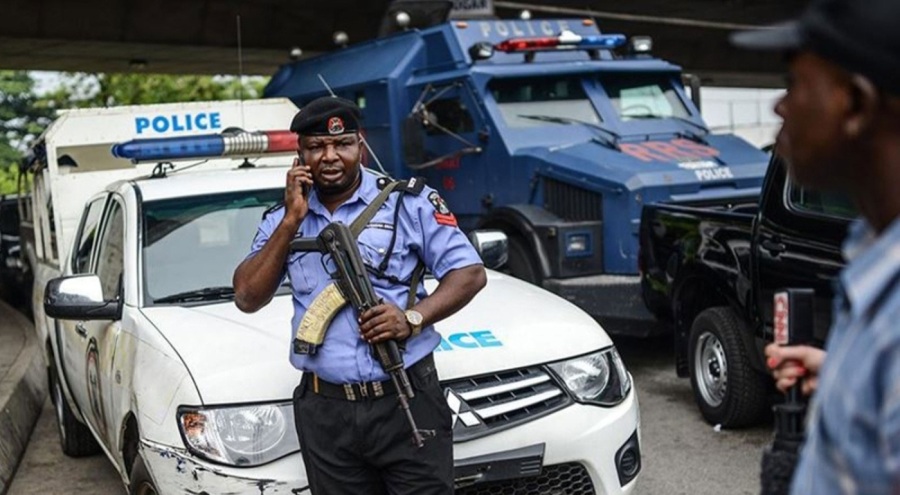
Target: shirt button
point(381, 250)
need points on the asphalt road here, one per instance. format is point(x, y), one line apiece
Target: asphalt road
point(681, 453)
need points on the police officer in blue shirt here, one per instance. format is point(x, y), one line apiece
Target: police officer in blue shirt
point(355, 440)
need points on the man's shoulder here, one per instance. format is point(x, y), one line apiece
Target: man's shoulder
point(274, 209)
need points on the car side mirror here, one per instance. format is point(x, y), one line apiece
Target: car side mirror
point(492, 246)
point(79, 297)
point(413, 140)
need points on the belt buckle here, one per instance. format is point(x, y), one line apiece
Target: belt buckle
point(364, 390)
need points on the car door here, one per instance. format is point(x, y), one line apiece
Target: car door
point(72, 338)
point(798, 245)
point(101, 335)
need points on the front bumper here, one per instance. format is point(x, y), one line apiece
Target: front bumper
point(581, 443)
point(175, 471)
point(582, 447)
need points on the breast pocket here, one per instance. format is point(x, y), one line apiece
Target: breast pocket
point(304, 271)
point(375, 246)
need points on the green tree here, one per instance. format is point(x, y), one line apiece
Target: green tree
point(106, 90)
point(23, 116)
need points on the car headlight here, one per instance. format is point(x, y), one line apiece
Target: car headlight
point(240, 436)
point(598, 378)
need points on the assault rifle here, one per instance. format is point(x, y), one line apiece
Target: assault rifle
point(351, 285)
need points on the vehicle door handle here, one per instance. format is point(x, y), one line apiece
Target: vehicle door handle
point(773, 246)
point(80, 330)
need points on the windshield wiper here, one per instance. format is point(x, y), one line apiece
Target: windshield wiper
point(206, 294)
point(696, 137)
point(609, 139)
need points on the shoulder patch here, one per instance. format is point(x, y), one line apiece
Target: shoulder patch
point(442, 213)
point(272, 208)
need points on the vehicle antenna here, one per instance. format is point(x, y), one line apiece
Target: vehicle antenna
point(240, 70)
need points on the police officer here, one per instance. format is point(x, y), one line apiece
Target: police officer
point(354, 437)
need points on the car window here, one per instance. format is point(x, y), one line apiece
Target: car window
point(9, 218)
point(824, 203)
point(643, 97)
point(537, 102)
point(110, 257)
point(195, 243)
point(450, 114)
point(87, 233)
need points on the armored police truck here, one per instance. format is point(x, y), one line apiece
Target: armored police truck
point(549, 130)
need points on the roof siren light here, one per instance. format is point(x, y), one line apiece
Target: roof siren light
point(207, 146)
point(402, 19)
point(341, 39)
point(641, 44)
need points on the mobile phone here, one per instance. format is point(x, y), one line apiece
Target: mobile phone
point(304, 187)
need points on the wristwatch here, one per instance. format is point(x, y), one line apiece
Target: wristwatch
point(414, 318)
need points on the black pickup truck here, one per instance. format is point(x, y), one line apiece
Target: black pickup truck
point(712, 269)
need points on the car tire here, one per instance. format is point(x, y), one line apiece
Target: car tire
point(75, 438)
point(728, 391)
point(521, 263)
point(140, 482)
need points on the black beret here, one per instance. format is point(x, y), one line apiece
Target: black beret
point(327, 116)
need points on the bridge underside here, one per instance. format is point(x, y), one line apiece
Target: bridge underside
point(201, 36)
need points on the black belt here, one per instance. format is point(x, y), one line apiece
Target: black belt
point(363, 390)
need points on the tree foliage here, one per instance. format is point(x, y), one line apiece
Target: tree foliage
point(25, 114)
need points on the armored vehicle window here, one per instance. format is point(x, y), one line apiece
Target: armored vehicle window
point(195, 243)
point(451, 114)
point(544, 101)
point(643, 97)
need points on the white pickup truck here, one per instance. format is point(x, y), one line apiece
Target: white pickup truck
point(150, 361)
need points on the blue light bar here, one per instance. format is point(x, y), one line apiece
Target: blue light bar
point(206, 146)
point(602, 41)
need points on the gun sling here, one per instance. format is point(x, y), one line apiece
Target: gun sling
point(311, 331)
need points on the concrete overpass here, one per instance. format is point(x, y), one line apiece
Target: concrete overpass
point(202, 36)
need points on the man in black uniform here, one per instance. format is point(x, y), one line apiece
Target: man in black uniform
point(355, 439)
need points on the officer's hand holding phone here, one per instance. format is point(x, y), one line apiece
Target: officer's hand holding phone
point(296, 191)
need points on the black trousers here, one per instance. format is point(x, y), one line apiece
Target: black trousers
point(365, 447)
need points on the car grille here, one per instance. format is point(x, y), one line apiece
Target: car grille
point(489, 403)
point(559, 479)
point(572, 203)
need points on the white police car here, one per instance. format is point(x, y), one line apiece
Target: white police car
point(151, 362)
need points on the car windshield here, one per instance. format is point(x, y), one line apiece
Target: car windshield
point(643, 96)
point(543, 101)
point(191, 245)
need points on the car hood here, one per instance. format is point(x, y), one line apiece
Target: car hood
point(236, 357)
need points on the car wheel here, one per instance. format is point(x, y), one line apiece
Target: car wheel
point(521, 263)
point(728, 391)
point(75, 438)
point(140, 482)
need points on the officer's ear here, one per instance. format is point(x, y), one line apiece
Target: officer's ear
point(865, 100)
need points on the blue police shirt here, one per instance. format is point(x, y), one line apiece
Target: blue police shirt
point(425, 230)
point(853, 433)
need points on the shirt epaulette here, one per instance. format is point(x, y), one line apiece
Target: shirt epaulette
point(413, 186)
point(272, 208)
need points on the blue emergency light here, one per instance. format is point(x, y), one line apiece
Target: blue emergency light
point(206, 145)
point(567, 40)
